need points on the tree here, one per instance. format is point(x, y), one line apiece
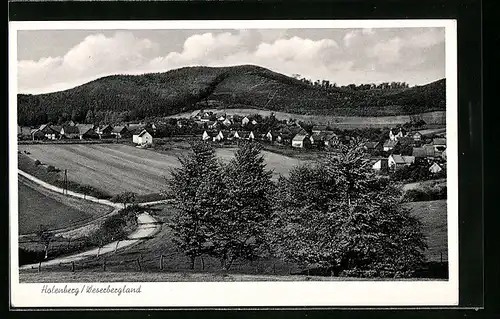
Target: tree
point(125, 198)
point(45, 237)
point(339, 216)
point(198, 195)
point(241, 228)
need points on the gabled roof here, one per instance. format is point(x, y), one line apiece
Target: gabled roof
point(243, 134)
point(390, 143)
point(143, 132)
point(84, 128)
point(405, 140)
point(119, 129)
point(56, 128)
point(70, 129)
point(401, 159)
point(319, 136)
point(299, 137)
point(371, 145)
point(439, 141)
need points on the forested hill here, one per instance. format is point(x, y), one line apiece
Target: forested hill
point(133, 97)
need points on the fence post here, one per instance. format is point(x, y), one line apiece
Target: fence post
point(139, 264)
point(161, 262)
point(39, 266)
point(72, 266)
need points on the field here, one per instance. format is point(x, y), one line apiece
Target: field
point(433, 215)
point(343, 122)
point(117, 168)
point(38, 206)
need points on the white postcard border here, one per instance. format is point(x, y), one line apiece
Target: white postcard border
point(248, 294)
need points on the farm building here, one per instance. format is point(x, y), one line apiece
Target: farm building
point(435, 168)
point(331, 139)
point(372, 146)
point(86, 131)
point(272, 136)
point(208, 135)
point(389, 145)
point(70, 132)
point(245, 121)
point(301, 141)
point(439, 144)
point(144, 137)
point(36, 134)
point(397, 136)
point(120, 132)
point(417, 136)
point(104, 131)
point(382, 165)
point(227, 122)
point(48, 132)
point(223, 135)
point(318, 138)
point(398, 161)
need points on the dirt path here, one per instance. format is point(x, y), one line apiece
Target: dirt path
point(147, 227)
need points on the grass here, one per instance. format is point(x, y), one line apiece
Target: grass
point(39, 206)
point(433, 215)
point(117, 168)
point(110, 276)
point(342, 122)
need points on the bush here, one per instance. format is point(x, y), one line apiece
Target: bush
point(51, 168)
point(426, 194)
point(37, 162)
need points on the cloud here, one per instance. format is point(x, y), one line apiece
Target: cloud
point(360, 56)
point(96, 55)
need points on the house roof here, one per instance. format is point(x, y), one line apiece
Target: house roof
point(390, 143)
point(318, 136)
point(243, 134)
point(371, 145)
point(435, 165)
point(119, 129)
point(405, 140)
point(439, 141)
point(220, 114)
point(299, 137)
point(143, 132)
point(401, 159)
point(70, 129)
point(57, 128)
point(84, 128)
point(419, 152)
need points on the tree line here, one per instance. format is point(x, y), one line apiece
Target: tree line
point(335, 215)
point(327, 84)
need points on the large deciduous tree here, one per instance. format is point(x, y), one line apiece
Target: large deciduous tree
point(341, 217)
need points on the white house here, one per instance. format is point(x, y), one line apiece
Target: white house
point(245, 121)
point(301, 141)
point(398, 161)
point(142, 138)
point(381, 165)
point(227, 122)
point(435, 168)
point(205, 136)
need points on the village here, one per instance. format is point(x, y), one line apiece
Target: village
point(390, 150)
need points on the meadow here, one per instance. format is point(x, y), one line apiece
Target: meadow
point(118, 168)
point(39, 206)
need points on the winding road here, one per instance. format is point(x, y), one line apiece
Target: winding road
point(147, 226)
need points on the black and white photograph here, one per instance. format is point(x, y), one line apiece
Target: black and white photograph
point(193, 163)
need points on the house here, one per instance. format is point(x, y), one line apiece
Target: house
point(104, 131)
point(439, 144)
point(389, 145)
point(221, 116)
point(245, 121)
point(382, 165)
point(86, 131)
point(244, 135)
point(70, 131)
point(206, 116)
point(398, 161)
point(373, 146)
point(212, 124)
point(208, 135)
point(331, 139)
point(36, 134)
point(435, 168)
point(318, 138)
point(227, 122)
point(223, 135)
point(395, 137)
point(120, 132)
point(144, 137)
point(417, 136)
point(426, 151)
point(301, 140)
point(48, 132)
point(405, 140)
point(272, 136)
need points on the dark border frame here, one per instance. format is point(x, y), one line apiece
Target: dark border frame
point(468, 15)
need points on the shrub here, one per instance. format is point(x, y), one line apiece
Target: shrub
point(51, 168)
point(37, 162)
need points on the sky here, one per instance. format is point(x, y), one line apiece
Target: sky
point(55, 60)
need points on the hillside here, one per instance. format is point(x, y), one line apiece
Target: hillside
point(133, 97)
